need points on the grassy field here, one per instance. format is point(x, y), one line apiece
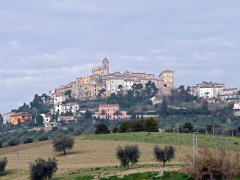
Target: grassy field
point(186, 139)
point(96, 154)
point(86, 158)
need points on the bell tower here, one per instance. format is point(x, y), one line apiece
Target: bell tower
point(105, 66)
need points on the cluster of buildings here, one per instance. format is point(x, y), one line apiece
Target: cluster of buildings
point(89, 87)
point(215, 91)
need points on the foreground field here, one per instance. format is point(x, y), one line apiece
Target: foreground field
point(96, 154)
point(86, 157)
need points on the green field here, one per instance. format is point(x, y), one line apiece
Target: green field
point(186, 139)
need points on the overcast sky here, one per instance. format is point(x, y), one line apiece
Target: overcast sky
point(48, 43)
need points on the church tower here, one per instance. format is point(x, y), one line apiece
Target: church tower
point(105, 66)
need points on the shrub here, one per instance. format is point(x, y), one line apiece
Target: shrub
point(130, 153)
point(218, 164)
point(43, 169)
point(54, 129)
point(43, 138)
point(62, 143)
point(28, 140)
point(3, 164)
point(12, 142)
point(115, 130)
point(71, 129)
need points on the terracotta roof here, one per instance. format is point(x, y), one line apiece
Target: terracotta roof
point(108, 105)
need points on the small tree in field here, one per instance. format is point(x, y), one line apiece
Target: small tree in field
point(127, 154)
point(3, 164)
point(164, 155)
point(62, 143)
point(43, 169)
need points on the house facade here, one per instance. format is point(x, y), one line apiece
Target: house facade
point(22, 117)
point(111, 111)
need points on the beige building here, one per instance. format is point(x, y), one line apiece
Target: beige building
point(167, 77)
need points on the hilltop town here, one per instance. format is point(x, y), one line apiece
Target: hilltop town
point(105, 83)
point(65, 103)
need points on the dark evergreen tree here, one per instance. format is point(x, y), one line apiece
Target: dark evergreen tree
point(102, 129)
point(151, 125)
point(188, 126)
point(124, 127)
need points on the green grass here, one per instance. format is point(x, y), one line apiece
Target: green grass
point(186, 139)
point(173, 175)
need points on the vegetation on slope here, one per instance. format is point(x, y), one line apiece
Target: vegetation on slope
point(186, 139)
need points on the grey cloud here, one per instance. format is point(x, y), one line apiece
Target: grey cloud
point(49, 43)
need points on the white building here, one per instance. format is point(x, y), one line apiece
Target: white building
point(64, 108)
point(7, 117)
point(46, 118)
point(58, 100)
point(207, 90)
point(236, 109)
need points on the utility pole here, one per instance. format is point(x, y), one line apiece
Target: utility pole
point(18, 159)
point(178, 138)
point(195, 150)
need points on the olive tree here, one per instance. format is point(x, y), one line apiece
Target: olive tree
point(62, 143)
point(3, 164)
point(164, 155)
point(43, 169)
point(127, 154)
